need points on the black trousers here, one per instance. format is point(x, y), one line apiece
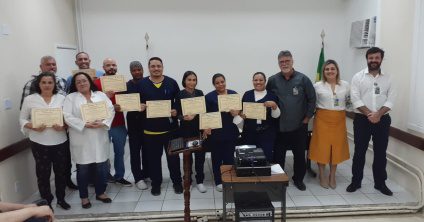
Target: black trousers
point(68, 162)
point(46, 157)
point(155, 145)
point(296, 141)
point(138, 157)
point(363, 131)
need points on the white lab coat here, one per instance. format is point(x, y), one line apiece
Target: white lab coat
point(87, 145)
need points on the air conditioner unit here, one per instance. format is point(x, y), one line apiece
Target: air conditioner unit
point(362, 33)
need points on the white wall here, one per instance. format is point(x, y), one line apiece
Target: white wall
point(236, 38)
point(36, 27)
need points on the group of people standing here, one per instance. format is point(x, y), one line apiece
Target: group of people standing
point(289, 96)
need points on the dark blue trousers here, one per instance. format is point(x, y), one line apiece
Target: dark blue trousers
point(263, 139)
point(222, 152)
point(155, 145)
point(363, 131)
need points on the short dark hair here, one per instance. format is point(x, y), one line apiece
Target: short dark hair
point(187, 74)
point(73, 87)
point(326, 63)
point(259, 73)
point(214, 77)
point(155, 58)
point(38, 80)
point(374, 50)
point(284, 53)
point(79, 53)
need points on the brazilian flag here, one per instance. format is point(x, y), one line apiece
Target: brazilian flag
point(320, 64)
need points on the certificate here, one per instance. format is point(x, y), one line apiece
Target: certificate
point(94, 111)
point(229, 102)
point(90, 72)
point(128, 102)
point(254, 110)
point(158, 108)
point(210, 120)
point(46, 116)
point(195, 105)
point(114, 83)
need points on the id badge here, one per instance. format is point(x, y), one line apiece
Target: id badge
point(377, 90)
point(295, 91)
point(336, 101)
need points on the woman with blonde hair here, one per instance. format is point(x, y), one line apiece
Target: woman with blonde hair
point(329, 138)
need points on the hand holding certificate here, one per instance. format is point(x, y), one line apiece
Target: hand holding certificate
point(115, 83)
point(229, 102)
point(128, 102)
point(192, 106)
point(210, 120)
point(158, 108)
point(254, 110)
point(94, 111)
point(47, 117)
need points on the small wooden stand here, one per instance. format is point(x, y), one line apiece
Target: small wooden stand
point(187, 174)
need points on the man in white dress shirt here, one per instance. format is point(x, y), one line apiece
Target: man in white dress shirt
point(372, 97)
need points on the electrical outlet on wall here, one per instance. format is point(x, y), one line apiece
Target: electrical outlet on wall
point(17, 186)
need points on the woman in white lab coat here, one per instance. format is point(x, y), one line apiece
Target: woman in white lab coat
point(89, 141)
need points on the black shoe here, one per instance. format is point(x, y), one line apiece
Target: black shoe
point(155, 191)
point(384, 189)
point(110, 178)
point(299, 185)
point(178, 188)
point(352, 187)
point(86, 206)
point(71, 185)
point(63, 204)
point(124, 182)
point(104, 200)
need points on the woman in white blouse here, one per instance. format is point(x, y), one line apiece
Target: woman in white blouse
point(48, 144)
point(89, 141)
point(329, 138)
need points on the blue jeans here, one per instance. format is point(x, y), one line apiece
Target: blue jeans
point(84, 173)
point(118, 136)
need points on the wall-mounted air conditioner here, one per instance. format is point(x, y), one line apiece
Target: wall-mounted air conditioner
point(362, 33)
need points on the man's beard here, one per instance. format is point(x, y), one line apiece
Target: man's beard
point(374, 66)
point(111, 72)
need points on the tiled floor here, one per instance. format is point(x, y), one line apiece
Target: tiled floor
point(131, 199)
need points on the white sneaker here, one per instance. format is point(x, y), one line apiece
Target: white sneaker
point(141, 185)
point(219, 188)
point(201, 188)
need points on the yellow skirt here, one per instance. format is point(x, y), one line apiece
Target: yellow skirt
point(329, 137)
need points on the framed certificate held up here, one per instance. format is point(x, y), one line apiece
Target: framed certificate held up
point(192, 106)
point(94, 111)
point(90, 72)
point(254, 110)
point(158, 108)
point(229, 102)
point(210, 120)
point(46, 116)
point(128, 102)
point(115, 83)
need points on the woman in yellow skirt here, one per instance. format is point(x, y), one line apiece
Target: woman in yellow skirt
point(329, 137)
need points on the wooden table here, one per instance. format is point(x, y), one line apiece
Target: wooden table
point(276, 183)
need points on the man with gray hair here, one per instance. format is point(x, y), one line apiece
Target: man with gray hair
point(296, 99)
point(47, 64)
